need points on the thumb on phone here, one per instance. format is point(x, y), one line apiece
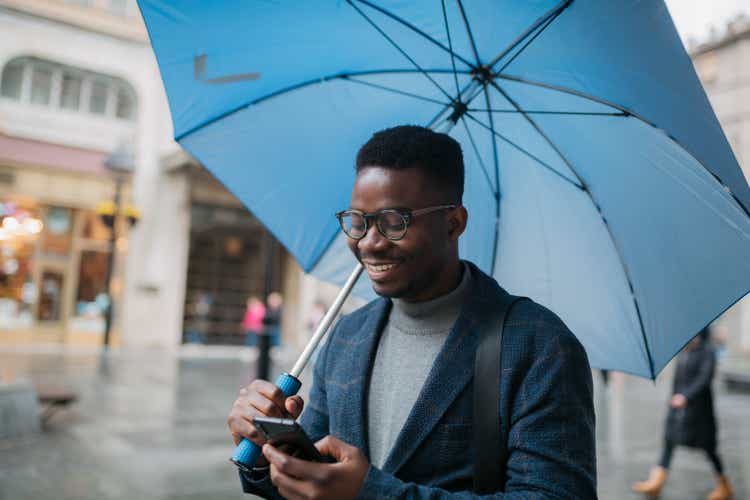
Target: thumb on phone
point(337, 449)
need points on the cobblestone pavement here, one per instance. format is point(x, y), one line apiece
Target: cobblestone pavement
point(152, 426)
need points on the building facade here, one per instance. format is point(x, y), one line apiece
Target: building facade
point(723, 65)
point(78, 81)
point(73, 88)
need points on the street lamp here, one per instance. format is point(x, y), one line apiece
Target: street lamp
point(120, 165)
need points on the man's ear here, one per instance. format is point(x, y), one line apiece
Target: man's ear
point(457, 219)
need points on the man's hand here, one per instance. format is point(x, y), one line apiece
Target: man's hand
point(260, 398)
point(678, 401)
point(301, 479)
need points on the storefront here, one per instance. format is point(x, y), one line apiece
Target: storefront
point(231, 258)
point(54, 247)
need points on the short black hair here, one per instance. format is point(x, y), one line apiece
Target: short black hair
point(407, 146)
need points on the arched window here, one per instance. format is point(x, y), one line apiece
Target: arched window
point(46, 83)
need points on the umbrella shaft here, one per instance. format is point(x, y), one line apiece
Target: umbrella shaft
point(326, 321)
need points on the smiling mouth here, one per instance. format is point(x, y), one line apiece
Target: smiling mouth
point(379, 270)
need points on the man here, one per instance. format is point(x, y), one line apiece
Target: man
point(392, 391)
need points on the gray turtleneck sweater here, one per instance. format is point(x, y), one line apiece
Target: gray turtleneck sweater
point(410, 342)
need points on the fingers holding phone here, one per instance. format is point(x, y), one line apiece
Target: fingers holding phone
point(260, 399)
point(288, 436)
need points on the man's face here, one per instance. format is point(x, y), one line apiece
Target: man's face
point(409, 268)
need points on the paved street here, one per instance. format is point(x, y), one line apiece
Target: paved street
point(152, 426)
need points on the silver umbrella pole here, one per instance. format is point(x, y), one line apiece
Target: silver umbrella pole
point(325, 323)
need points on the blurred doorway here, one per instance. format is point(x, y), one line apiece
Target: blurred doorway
point(227, 264)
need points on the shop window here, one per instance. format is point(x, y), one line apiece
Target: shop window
point(45, 83)
point(57, 234)
point(17, 290)
point(50, 296)
point(91, 297)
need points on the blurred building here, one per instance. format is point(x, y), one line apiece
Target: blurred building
point(73, 87)
point(723, 65)
point(78, 81)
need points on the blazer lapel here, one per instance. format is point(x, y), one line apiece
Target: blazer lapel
point(360, 356)
point(450, 374)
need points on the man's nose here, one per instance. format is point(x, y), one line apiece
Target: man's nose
point(372, 241)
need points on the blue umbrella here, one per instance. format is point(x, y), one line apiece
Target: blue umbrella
point(598, 179)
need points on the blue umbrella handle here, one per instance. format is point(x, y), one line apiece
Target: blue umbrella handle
point(247, 452)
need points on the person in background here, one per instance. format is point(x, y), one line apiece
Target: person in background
point(200, 322)
point(316, 315)
point(252, 322)
point(272, 319)
point(691, 421)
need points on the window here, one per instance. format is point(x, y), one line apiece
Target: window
point(41, 86)
point(50, 296)
point(44, 83)
point(12, 80)
point(98, 101)
point(119, 7)
point(125, 105)
point(57, 233)
point(71, 92)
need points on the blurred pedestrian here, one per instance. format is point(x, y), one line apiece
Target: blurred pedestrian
point(314, 318)
point(200, 311)
point(252, 322)
point(691, 421)
point(272, 319)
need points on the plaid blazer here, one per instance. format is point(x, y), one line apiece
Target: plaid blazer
point(546, 405)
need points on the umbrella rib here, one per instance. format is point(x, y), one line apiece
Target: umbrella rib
point(525, 152)
point(392, 42)
point(307, 83)
point(539, 131)
point(479, 157)
point(552, 12)
point(468, 31)
point(413, 28)
point(497, 179)
point(528, 42)
point(598, 208)
point(450, 46)
point(627, 112)
point(544, 112)
point(395, 91)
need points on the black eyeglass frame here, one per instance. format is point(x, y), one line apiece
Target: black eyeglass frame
point(406, 214)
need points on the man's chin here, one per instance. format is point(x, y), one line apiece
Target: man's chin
point(388, 290)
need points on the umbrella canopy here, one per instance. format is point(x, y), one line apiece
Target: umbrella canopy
point(598, 180)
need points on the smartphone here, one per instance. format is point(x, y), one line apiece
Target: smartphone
point(287, 434)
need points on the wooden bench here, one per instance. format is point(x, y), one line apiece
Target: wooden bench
point(53, 399)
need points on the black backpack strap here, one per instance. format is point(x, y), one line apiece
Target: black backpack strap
point(490, 449)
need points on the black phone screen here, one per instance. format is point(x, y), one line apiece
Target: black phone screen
point(287, 435)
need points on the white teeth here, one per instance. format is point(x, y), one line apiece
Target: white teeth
point(380, 267)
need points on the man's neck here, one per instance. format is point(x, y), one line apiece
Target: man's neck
point(450, 281)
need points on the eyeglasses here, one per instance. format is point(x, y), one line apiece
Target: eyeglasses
point(391, 222)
